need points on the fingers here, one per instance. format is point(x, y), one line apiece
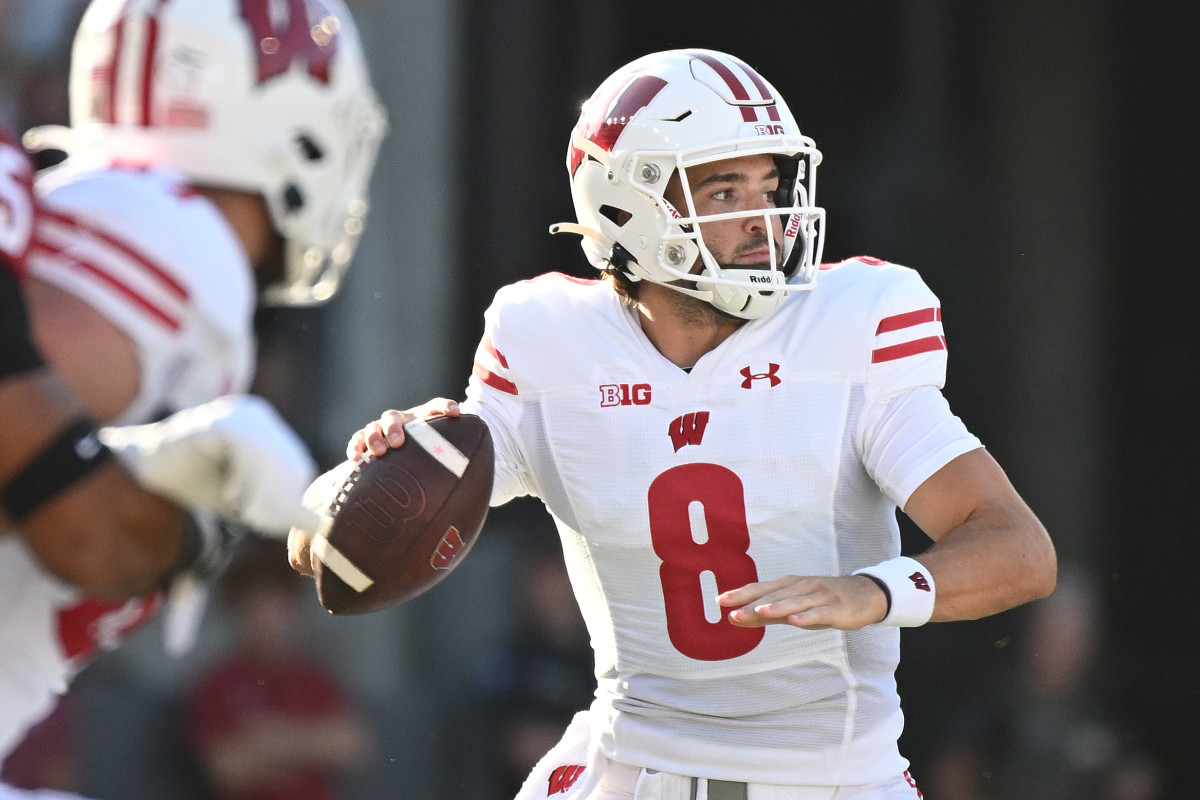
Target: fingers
point(376, 437)
point(754, 591)
point(437, 407)
point(844, 603)
point(768, 602)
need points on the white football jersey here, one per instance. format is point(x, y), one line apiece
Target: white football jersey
point(161, 263)
point(785, 450)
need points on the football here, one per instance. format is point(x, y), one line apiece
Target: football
point(398, 524)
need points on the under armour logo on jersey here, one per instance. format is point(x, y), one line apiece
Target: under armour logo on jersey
point(770, 375)
point(688, 429)
point(447, 550)
point(310, 34)
point(563, 778)
point(919, 581)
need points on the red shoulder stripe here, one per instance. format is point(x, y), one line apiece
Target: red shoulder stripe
point(491, 350)
point(905, 349)
point(495, 381)
point(169, 320)
point(167, 280)
point(908, 319)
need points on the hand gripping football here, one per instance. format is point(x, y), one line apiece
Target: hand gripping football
point(398, 524)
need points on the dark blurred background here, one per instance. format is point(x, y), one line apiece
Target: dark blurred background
point(1034, 161)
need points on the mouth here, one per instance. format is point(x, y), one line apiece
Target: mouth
point(757, 258)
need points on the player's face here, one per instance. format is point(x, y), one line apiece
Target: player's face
point(745, 183)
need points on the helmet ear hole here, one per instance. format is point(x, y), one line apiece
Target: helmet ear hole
point(293, 198)
point(310, 149)
point(615, 215)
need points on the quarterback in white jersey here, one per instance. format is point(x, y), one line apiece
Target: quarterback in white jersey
point(723, 431)
point(179, 204)
point(767, 458)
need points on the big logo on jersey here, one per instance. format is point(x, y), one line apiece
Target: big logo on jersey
point(310, 34)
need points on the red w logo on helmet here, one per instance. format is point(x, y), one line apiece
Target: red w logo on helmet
point(306, 36)
point(606, 116)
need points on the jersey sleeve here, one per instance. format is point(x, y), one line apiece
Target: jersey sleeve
point(493, 393)
point(908, 431)
point(162, 266)
point(909, 437)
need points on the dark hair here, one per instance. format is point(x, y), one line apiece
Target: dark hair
point(627, 289)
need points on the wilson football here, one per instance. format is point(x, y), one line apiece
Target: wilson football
point(398, 524)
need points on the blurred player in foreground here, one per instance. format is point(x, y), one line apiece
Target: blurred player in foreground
point(87, 528)
point(723, 430)
point(219, 151)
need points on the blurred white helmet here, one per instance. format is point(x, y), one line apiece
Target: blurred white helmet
point(652, 119)
point(267, 96)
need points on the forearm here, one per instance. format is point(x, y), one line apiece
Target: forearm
point(991, 553)
point(108, 535)
point(997, 559)
point(102, 532)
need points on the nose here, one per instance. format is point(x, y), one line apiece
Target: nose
point(760, 223)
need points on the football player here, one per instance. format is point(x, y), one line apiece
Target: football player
point(218, 154)
point(106, 534)
point(723, 429)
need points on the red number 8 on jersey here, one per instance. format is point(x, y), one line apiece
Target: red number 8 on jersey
point(719, 495)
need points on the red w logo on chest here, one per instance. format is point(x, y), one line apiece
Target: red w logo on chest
point(688, 429)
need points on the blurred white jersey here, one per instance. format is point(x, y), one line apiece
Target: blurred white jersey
point(786, 450)
point(163, 265)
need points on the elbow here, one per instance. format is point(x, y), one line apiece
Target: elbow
point(1042, 569)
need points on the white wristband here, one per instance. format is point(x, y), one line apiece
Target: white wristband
point(910, 591)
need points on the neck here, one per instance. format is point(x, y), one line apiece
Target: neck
point(247, 216)
point(680, 327)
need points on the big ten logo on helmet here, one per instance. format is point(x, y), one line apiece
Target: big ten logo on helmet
point(768, 130)
point(623, 394)
point(308, 34)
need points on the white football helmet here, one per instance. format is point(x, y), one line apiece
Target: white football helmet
point(652, 119)
point(267, 96)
